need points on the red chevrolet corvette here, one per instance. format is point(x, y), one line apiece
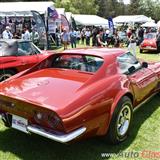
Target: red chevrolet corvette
point(78, 94)
point(149, 43)
point(18, 55)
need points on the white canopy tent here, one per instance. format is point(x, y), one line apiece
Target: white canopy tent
point(90, 20)
point(14, 7)
point(13, 12)
point(149, 24)
point(131, 19)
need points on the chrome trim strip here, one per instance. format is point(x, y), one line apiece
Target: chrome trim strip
point(59, 138)
point(145, 101)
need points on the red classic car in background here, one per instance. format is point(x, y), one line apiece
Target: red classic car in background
point(149, 43)
point(78, 94)
point(18, 55)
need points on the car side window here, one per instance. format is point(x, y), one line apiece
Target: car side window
point(127, 62)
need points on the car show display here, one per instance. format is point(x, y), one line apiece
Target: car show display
point(79, 93)
point(149, 43)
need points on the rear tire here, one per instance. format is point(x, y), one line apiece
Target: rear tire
point(121, 121)
point(4, 74)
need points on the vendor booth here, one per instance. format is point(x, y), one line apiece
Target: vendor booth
point(39, 15)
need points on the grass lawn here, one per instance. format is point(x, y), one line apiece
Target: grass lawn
point(145, 135)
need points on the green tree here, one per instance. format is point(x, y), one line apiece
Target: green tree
point(111, 8)
point(150, 9)
point(134, 7)
point(80, 6)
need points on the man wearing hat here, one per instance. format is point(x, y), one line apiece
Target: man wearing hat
point(7, 34)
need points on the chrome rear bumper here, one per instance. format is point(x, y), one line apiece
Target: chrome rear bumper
point(59, 137)
point(62, 138)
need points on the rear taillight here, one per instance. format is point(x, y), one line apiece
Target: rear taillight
point(54, 121)
point(49, 119)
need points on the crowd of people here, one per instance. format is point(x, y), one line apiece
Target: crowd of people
point(26, 34)
point(101, 37)
point(91, 36)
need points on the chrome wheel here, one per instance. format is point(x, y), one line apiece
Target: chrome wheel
point(123, 120)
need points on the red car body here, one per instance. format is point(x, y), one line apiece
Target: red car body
point(61, 100)
point(149, 43)
point(18, 55)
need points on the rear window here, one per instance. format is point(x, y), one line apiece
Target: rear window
point(77, 62)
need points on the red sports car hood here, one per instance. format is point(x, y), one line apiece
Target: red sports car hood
point(49, 87)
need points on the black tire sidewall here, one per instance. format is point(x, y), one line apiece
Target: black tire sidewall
point(9, 72)
point(114, 138)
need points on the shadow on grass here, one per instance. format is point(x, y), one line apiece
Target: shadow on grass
point(35, 147)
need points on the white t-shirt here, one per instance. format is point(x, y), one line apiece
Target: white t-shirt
point(7, 35)
point(26, 36)
point(88, 33)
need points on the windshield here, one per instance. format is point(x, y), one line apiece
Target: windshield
point(150, 36)
point(8, 49)
point(27, 48)
point(18, 48)
point(78, 62)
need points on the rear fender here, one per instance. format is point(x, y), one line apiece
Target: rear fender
point(117, 99)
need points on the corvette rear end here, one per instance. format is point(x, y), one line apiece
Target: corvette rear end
point(25, 107)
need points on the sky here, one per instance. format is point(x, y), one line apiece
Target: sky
point(126, 1)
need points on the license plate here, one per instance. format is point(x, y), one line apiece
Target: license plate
point(19, 123)
point(148, 47)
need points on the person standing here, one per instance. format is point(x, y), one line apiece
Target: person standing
point(88, 34)
point(94, 35)
point(82, 35)
point(65, 38)
point(129, 33)
point(140, 35)
point(34, 36)
point(78, 36)
point(26, 36)
point(116, 39)
point(132, 44)
point(99, 37)
point(7, 34)
point(73, 38)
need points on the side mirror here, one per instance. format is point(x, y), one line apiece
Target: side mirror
point(144, 64)
point(131, 69)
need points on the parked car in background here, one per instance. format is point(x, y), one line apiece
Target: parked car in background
point(78, 94)
point(18, 55)
point(149, 43)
